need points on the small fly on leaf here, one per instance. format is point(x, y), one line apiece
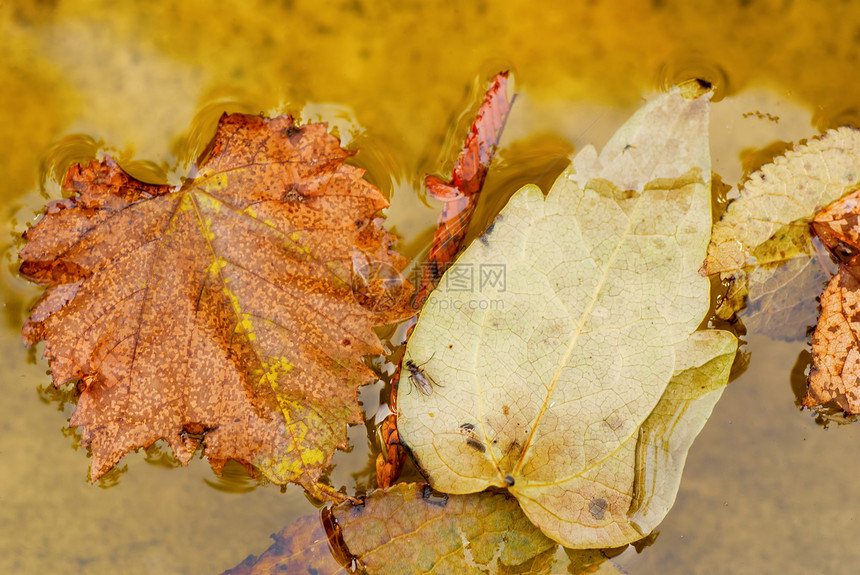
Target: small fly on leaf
point(420, 379)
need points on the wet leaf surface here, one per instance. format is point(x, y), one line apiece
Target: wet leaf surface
point(411, 528)
point(763, 245)
point(231, 312)
point(835, 351)
point(566, 381)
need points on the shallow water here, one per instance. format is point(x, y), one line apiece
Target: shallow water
point(766, 489)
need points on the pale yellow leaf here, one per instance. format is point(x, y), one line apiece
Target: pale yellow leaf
point(768, 227)
point(552, 340)
point(786, 192)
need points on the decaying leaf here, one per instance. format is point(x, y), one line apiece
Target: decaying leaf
point(835, 375)
point(835, 352)
point(767, 227)
point(838, 226)
point(411, 529)
point(554, 338)
point(221, 313)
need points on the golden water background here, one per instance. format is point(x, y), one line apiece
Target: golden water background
point(765, 489)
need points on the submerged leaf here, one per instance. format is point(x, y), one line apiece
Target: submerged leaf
point(782, 301)
point(835, 350)
point(553, 364)
point(767, 227)
point(221, 312)
point(411, 529)
point(300, 548)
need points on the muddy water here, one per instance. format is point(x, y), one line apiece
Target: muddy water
point(765, 489)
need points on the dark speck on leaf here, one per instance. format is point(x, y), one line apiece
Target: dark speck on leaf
point(598, 507)
point(509, 479)
point(485, 237)
point(476, 445)
point(468, 426)
point(291, 130)
point(293, 195)
point(433, 497)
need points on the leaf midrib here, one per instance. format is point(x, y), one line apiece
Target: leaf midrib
point(575, 338)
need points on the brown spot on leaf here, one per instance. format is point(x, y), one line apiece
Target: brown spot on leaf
point(597, 507)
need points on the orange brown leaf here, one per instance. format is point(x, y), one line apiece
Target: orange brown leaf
point(460, 194)
point(221, 313)
point(836, 353)
point(838, 226)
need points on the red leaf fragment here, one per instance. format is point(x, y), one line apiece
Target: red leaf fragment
point(460, 195)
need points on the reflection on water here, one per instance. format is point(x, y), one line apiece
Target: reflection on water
point(63, 154)
point(752, 159)
point(160, 455)
point(234, 478)
point(62, 397)
point(685, 65)
point(834, 116)
point(379, 161)
point(188, 146)
point(111, 478)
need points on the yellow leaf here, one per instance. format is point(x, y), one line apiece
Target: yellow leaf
point(551, 372)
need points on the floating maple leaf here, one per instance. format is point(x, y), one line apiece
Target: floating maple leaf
point(221, 312)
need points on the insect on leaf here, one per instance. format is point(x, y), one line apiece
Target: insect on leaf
point(835, 375)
